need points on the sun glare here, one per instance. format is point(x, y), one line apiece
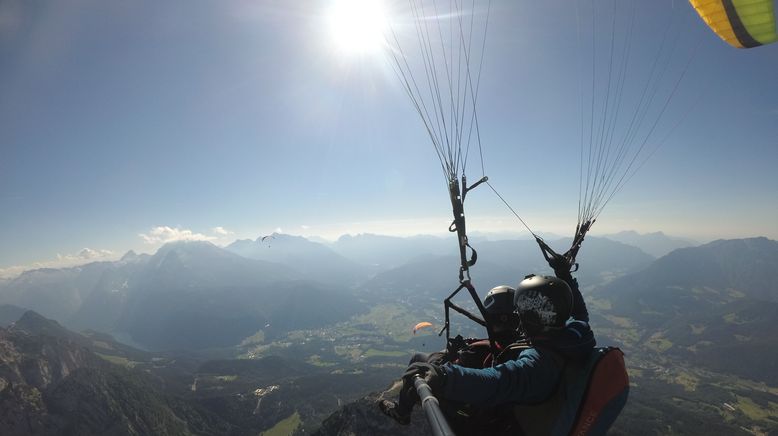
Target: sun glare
point(357, 26)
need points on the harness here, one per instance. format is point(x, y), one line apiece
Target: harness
point(507, 419)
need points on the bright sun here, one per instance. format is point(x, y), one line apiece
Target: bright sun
point(357, 26)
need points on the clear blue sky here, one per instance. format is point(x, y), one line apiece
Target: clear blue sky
point(119, 117)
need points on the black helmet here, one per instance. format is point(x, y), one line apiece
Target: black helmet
point(499, 308)
point(543, 303)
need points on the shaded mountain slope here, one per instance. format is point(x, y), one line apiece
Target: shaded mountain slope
point(712, 306)
point(742, 264)
point(49, 384)
point(57, 293)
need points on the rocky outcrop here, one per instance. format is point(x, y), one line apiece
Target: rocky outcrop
point(362, 417)
point(50, 383)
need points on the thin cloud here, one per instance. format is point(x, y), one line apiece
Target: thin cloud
point(222, 231)
point(165, 234)
point(13, 271)
point(86, 255)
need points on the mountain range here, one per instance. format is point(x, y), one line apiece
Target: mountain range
point(187, 295)
point(696, 325)
point(656, 244)
point(313, 260)
point(710, 305)
point(194, 295)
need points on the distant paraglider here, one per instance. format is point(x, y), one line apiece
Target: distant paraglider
point(741, 24)
point(267, 239)
point(421, 325)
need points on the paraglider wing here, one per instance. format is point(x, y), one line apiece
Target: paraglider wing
point(421, 325)
point(741, 23)
point(268, 238)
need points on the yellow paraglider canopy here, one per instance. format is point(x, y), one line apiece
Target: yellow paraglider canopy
point(741, 23)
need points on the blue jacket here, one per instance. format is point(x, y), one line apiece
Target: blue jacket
point(530, 378)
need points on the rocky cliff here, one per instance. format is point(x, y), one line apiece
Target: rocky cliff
point(51, 384)
point(362, 417)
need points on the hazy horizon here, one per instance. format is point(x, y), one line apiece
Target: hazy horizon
point(223, 238)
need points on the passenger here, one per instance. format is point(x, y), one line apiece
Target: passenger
point(551, 326)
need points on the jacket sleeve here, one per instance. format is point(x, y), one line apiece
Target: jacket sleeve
point(579, 305)
point(531, 378)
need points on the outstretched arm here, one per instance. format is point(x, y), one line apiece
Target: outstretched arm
point(579, 305)
point(561, 266)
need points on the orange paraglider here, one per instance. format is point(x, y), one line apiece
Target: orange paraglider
point(421, 325)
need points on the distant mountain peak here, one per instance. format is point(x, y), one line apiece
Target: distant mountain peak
point(35, 323)
point(130, 255)
point(187, 247)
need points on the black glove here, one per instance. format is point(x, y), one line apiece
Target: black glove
point(432, 374)
point(561, 266)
